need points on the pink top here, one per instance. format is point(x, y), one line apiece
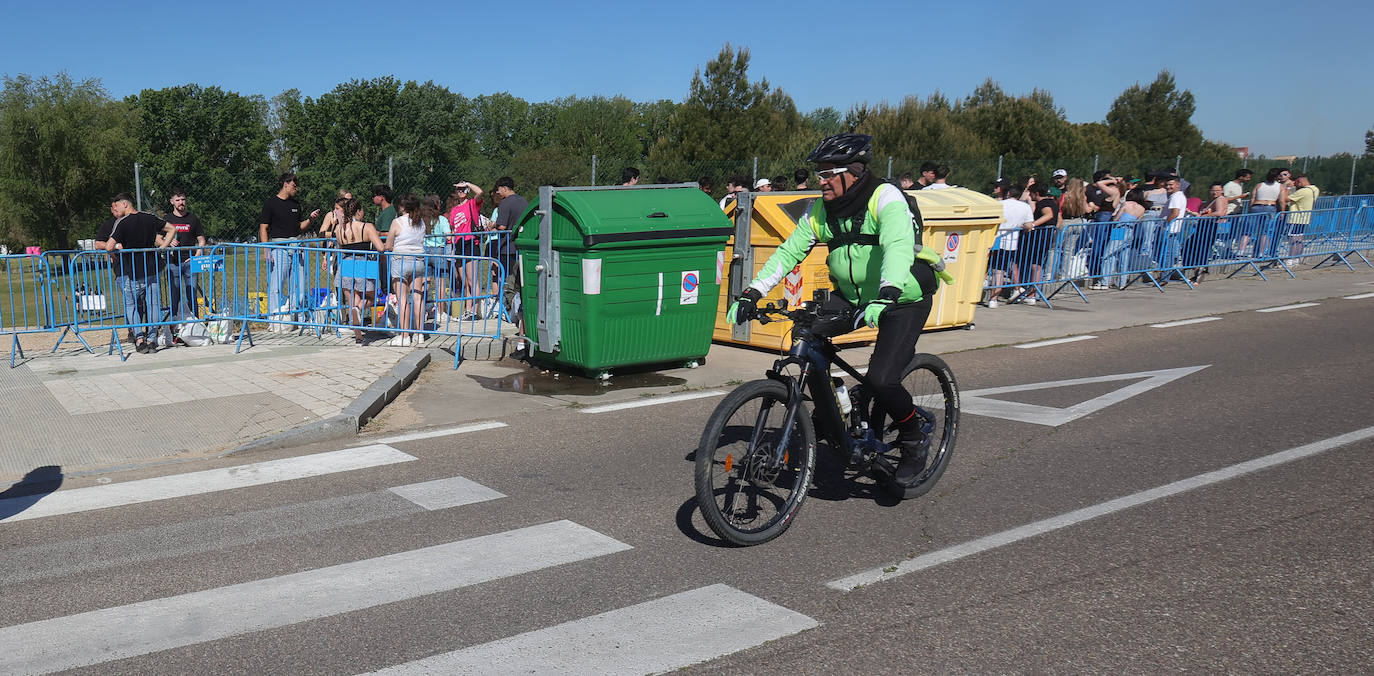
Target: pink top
point(464, 216)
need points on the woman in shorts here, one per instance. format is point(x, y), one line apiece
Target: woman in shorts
point(358, 242)
point(406, 242)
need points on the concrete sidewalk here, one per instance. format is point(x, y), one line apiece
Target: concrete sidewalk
point(91, 412)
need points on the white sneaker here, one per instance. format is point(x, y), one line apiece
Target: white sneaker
point(418, 339)
point(992, 303)
point(1030, 300)
point(397, 340)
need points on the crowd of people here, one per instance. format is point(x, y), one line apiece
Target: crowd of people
point(1123, 229)
point(344, 253)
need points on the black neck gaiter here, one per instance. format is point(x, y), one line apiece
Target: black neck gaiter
point(853, 201)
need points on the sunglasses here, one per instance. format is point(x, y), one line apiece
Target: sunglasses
point(827, 174)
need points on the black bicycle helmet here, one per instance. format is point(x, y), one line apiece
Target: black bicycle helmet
point(843, 149)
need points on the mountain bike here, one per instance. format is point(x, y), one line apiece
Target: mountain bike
point(757, 457)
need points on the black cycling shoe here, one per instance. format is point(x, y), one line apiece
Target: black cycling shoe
point(914, 456)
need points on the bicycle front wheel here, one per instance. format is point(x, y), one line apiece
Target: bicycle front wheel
point(749, 488)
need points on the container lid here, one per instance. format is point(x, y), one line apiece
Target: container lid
point(619, 216)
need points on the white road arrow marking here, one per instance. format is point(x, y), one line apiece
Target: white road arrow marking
point(977, 402)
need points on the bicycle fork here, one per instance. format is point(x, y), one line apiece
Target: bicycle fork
point(779, 457)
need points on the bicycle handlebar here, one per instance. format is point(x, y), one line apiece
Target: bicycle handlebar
point(805, 314)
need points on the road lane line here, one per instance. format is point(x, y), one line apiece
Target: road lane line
point(430, 434)
point(445, 493)
point(1281, 308)
point(1056, 341)
point(1184, 322)
point(651, 401)
point(195, 483)
point(652, 637)
point(1361, 296)
point(1077, 516)
point(161, 624)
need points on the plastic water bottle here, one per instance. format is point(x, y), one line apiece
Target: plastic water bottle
point(842, 393)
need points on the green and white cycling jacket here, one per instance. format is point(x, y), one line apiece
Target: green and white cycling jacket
point(880, 254)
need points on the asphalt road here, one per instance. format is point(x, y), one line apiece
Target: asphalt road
point(1265, 571)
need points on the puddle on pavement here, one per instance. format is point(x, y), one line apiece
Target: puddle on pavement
point(550, 383)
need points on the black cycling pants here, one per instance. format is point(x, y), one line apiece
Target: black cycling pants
point(898, 330)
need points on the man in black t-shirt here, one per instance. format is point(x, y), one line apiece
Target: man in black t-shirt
point(190, 237)
point(280, 223)
point(508, 214)
point(137, 270)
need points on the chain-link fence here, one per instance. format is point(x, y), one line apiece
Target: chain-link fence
point(229, 204)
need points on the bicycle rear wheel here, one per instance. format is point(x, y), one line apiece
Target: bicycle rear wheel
point(747, 491)
point(936, 394)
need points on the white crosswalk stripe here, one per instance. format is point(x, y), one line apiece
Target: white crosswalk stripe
point(195, 483)
point(656, 635)
point(650, 637)
point(160, 624)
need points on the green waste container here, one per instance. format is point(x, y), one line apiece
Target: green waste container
point(621, 276)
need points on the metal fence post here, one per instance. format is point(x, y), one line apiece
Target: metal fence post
point(889, 166)
point(1353, 161)
point(999, 166)
point(593, 168)
point(1178, 163)
point(1094, 164)
point(390, 180)
point(1304, 165)
point(138, 188)
point(754, 177)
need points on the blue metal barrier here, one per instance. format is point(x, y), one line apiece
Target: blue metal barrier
point(287, 286)
point(1036, 265)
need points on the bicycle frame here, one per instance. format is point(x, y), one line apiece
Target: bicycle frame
point(814, 355)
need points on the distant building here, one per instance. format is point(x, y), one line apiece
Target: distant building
point(1242, 152)
point(1290, 159)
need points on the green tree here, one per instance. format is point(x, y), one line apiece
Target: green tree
point(1026, 126)
point(726, 116)
point(65, 147)
point(1156, 119)
point(1369, 143)
point(605, 127)
point(917, 130)
point(214, 144)
point(502, 125)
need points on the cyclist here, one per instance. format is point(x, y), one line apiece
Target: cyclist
point(880, 274)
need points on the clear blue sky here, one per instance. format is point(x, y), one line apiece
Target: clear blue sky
point(1282, 78)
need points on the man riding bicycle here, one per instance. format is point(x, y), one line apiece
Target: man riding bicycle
point(882, 276)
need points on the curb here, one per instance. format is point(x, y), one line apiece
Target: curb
point(346, 423)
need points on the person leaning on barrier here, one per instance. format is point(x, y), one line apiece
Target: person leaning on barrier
point(513, 207)
point(881, 275)
point(280, 223)
point(800, 178)
point(1301, 200)
point(190, 238)
point(137, 274)
point(629, 176)
point(357, 240)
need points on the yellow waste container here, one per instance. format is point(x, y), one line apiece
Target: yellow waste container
point(959, 223)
